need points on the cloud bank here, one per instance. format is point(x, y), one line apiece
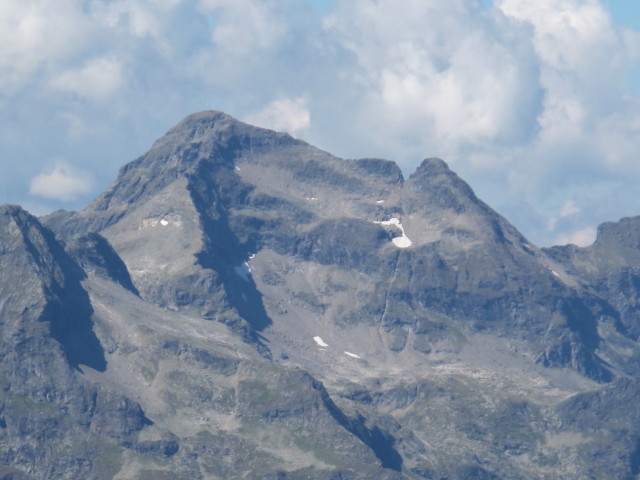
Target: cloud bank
point(62, 182)
point(531, 102)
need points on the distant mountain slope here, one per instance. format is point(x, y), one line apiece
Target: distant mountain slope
point(240, 304)
point(611, 268)
point(220, 191)
point(53, 424)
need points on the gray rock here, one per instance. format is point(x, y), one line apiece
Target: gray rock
point(240, 304)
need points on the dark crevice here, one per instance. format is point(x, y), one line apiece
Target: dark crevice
point(213, 189)
point(634, 459)
point(381, 443)
point(94, 253)
point(68, 309)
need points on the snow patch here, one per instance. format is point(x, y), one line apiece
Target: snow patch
point(243, 271)
point(173, 220)
point(320, 342)
point(402, 241)
point(352, 355)
point(391, 221)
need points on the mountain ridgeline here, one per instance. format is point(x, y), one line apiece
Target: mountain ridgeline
point(241, 304)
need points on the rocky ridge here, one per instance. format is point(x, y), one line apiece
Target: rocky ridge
point(262, 308)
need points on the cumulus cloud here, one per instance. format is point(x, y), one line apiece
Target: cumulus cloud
point(62, 182)
point(285, 114)
point(34, 33)
point(244, 26)
point(582, 238)
point(468, 78)
point(528, 101)
point(97, 80)
point(569, 208)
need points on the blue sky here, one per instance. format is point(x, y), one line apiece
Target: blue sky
point(535, 104)
point(322, 5)
point(624, 12)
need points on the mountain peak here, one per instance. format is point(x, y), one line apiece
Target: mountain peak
point(218, 130)
point(12, 210)
point(431, 166)
point(199, 125)
point(210, 135)
point(41, 252)
point(323, 317)
point(624, 233)
point(436, 171)
point(442, 187)
point(206, 115)
point(617, 242)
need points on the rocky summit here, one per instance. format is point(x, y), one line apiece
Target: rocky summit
point(241, 304)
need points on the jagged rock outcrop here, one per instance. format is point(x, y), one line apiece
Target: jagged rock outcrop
point(240, 304)
point(221, 191)
point(47, 338)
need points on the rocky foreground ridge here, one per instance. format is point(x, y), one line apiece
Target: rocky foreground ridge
point(240, 304)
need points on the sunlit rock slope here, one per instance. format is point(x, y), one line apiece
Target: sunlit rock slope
point(240, 304)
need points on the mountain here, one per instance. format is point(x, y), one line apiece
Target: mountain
point(52, 418)
point(241, 304)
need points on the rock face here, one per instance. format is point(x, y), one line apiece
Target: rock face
point(53, 423)
point(241, 304)
point(611, 266)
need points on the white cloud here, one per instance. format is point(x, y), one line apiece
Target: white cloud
point(465, 79)
point(62, 182)
point(569, 208)
point(244, 27)
point(528, 101)
point(574, 36)
point(35, 33)
point(97, 80)
point(141, 18)
point(285, 114)
point(582, 238)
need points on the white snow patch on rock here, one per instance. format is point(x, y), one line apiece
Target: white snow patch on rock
point(173, 220)
point(352, 355)
point(243, 271)
point(402, 241)
point(391, 221)
point(320, 342)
